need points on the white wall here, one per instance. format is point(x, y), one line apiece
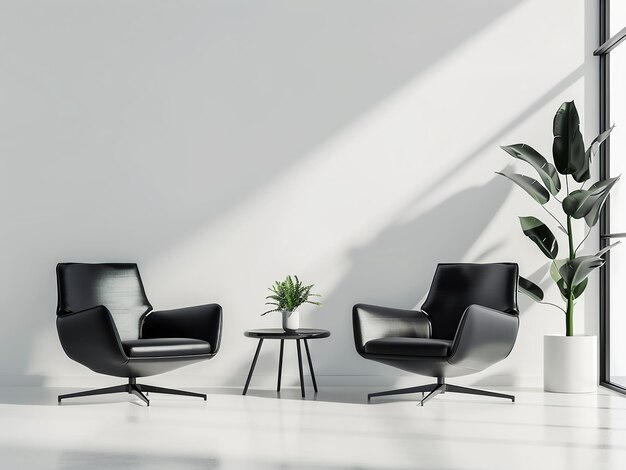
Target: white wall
point(224, 144)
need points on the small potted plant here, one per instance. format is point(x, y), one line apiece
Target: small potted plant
point(570, 361)
point(286, 297)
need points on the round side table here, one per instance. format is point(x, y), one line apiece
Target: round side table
point(303, 334)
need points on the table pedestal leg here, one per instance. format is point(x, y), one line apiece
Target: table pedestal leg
point(308, 355)
point(256, 356)
point(300, 367)
point(280, 364)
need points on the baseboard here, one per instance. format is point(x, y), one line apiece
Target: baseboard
point(265, 381)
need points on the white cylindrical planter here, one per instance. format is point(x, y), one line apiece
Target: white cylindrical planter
point(570, 364)
point(291, 320)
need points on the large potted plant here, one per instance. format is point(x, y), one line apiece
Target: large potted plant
point(570, 361)
point(286, 297)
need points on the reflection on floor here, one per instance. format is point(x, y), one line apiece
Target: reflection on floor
point(335, 430)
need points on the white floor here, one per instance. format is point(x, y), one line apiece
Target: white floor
point(335, 430)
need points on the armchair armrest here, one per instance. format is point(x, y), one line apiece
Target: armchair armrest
point(202, 322)
point(484, 336)
point(372, 322)
point(91, 338)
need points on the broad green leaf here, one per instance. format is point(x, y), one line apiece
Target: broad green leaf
point(530, 185)
point(563, 289)
point(556, 276)
point(607, 248)
point(592, 151)
point(541, 235)
point(585, 172)
point(554, 268)
point(546, 171)
point(568, 148)
point(580, 288)
point(576, 270)
point(531, 289)
point(588, 203)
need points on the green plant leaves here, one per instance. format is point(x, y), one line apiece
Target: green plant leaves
point(289, 295)
point(568, 147)
point(541, 235)
point(556, 276)
point(588, 203)
point(530, 185)
point(531, 289)
point(574, 271)
point(607, 248)
point(563, 271)
point(570, 158)
point(547, 172)
point(580, 288)
point(591, 152)
point(554, 269)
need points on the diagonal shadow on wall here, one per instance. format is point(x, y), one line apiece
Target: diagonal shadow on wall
point(396, 267)
point(388, 271)
point(158, 120)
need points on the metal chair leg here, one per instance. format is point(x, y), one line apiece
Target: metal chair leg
point(99, 391)
point(475, 391)
point(439, 389)
point(135, 391)
point(402, 391)
point(133, 388)
point(169, 391)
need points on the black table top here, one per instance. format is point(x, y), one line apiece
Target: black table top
point(279, 333)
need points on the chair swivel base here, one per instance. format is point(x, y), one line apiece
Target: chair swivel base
point(133, 388)
point(440, 387)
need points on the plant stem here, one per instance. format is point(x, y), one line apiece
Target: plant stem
point(570, 237)
point(569, 314)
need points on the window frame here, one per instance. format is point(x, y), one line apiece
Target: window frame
point(607, 44)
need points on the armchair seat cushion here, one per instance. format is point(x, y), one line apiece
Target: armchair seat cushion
point(159, 347)
point(415, 347)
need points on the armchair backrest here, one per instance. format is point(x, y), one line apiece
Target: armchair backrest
point(456, 286)
point(117, 286)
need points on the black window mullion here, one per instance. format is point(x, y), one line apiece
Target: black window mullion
point(605, 235)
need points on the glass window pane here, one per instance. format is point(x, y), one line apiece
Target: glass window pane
point(617, 107)
point(617, 339)
point(618, 136)
point(617, 16)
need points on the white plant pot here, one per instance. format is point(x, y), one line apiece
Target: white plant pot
point(570, 364)
point(291, 320)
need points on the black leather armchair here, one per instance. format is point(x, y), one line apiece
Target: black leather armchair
point(468, 322)
point(106, 323)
